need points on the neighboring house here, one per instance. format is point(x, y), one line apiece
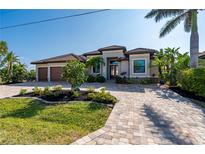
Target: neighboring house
point(202, 55)
point(118, 61)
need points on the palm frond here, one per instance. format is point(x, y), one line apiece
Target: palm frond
point(171, 24)
point(187, 22)
point(160, 14)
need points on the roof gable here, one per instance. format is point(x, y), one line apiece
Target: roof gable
point(141, 51)
point(62, 58)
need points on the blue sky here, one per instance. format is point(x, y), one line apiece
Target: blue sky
point(87, 33)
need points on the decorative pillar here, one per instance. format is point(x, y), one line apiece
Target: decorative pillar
point(36, 73)
point(49, 77)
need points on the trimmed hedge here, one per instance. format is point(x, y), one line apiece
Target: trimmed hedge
point(98, 78)
point(143, 80)
point(192, 80)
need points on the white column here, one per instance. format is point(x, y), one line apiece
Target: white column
point(49, 74)
point(36, 73)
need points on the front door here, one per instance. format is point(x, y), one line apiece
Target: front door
point(113, 71)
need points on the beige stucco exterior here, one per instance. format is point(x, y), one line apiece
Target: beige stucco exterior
point(124, 65)
point(145, 57)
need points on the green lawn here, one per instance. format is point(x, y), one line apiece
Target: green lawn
point(28, 121)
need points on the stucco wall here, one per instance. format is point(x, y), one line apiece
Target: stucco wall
point(145, 57)
point(124, 67)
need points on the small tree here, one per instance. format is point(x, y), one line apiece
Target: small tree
point(74, 73)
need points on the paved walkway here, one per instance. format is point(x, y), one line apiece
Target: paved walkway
point(144, 115)
point(148, 116)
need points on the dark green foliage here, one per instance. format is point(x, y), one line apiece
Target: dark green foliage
point(121, 80)
point(192, 80)
point(19, 73)
point(143, 80)
point(147, 80)
point(93, 61)
point(91, 78)
point(31, 75)
point(102, 97)
point(100, 78)
point(170, 61)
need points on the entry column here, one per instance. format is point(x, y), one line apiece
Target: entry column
point(49, 74)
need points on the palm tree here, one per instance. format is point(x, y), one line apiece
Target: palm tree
point(189, 17)
point(3, 47)
point(10, 59)
point(93, 61)
point(3, 50)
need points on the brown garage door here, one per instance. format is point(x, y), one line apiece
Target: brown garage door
point(42, 74)
point(56, 73)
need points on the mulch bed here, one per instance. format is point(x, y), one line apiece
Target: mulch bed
point(63, 95)
point(187, 94)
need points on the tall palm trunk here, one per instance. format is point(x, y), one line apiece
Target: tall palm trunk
point(194, 41)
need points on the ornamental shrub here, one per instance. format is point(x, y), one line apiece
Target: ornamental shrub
point(102, 97)
point(100, 78)
point(91, 78)
point(192, 80)
point(23, 92)
point(37, 91)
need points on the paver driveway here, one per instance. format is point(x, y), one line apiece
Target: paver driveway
point(143, 115)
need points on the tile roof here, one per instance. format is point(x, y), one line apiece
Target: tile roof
point(112, 47)
point(62, 58)
point(141, 50)
point(96, 52)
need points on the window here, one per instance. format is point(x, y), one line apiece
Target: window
point(139, 66)
point(96, 68)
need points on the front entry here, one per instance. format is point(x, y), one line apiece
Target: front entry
point(113, 68)
point(113, 71)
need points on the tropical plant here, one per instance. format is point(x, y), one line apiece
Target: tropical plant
point(189, 17)
point(192, 80)
point(31, 75)
point(3, 50)
point(93, 61)
point(170, 61)
point(19, 72)
point(9, 60)
point(74, 72)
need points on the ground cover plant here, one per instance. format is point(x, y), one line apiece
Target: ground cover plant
point(28, 121)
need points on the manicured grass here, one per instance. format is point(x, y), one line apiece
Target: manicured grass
point(28, 121)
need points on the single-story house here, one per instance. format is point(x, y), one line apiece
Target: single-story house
point(118, 61)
